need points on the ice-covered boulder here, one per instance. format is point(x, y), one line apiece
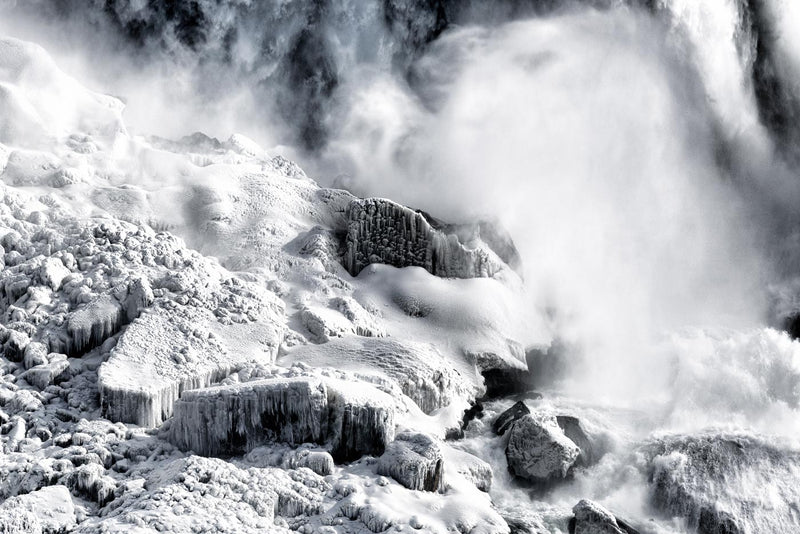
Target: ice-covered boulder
point(48, 510)
point(415, 461)
point(382, 231)
point(592, 518)
point(509, 417)
point(575, 430)
point(320, 462)
point(353, 419)
point(538, 450)
point(730, 483)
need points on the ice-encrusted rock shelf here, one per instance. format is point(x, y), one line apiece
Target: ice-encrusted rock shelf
point(382, 231)
point(353, 419)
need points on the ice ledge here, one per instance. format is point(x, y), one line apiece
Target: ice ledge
point(353, 419)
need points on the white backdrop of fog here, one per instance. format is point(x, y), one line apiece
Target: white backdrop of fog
point(594, 136)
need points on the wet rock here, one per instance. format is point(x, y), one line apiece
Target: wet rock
point(572, 428)
point(591, 518)
point(415, 461)
point(507, 418)
point(539, 451)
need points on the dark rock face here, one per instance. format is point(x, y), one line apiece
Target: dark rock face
point(574, 431)
point(591, 518)
point(509, 417)
point(381, 231)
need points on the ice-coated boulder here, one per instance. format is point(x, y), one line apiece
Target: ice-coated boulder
point(320, 462)
point(592, 518)
point(353, 419)
point(415, 461)
point(718, 482)
point(47, 510)
point(538, 450)
point(381, 231)
point(509, 417)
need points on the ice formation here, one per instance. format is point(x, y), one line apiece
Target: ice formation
point(414, 460)
point(354, 419)
point(381, 231)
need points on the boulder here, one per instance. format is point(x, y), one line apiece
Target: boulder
point(415, 461)
point(538, 450)
point(591, 518)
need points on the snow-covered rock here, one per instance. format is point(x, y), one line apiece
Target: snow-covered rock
point(592, 518)
point(381, 231)
point(414, 460)
point(538, 450)
point(48, 510)
point(353, 419)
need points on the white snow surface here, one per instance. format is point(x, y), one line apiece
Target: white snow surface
point(141, 274)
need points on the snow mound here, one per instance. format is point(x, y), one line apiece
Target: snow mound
point(39, 102)
point(46, 510)
point(414, 460)
point(420, 370)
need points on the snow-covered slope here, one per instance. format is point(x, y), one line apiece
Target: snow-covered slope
point(137, 272)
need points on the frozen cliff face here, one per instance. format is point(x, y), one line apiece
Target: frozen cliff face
point(731, 483)
point(381, 231)
point(353, 419)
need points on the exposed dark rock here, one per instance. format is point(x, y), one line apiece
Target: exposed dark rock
point(574, 431)
point(509, 417)
point(591, 518)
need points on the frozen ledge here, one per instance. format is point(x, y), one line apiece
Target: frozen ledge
point(352, 418)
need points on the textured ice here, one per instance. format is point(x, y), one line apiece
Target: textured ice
point(382, 231)
point(48, 510)
point(421, 371)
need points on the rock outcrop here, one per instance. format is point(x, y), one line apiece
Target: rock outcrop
point(415, 461)
point(381, 231)
point(592, 518)
point(506, 419)
point(351, 419)
point(538, 450)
